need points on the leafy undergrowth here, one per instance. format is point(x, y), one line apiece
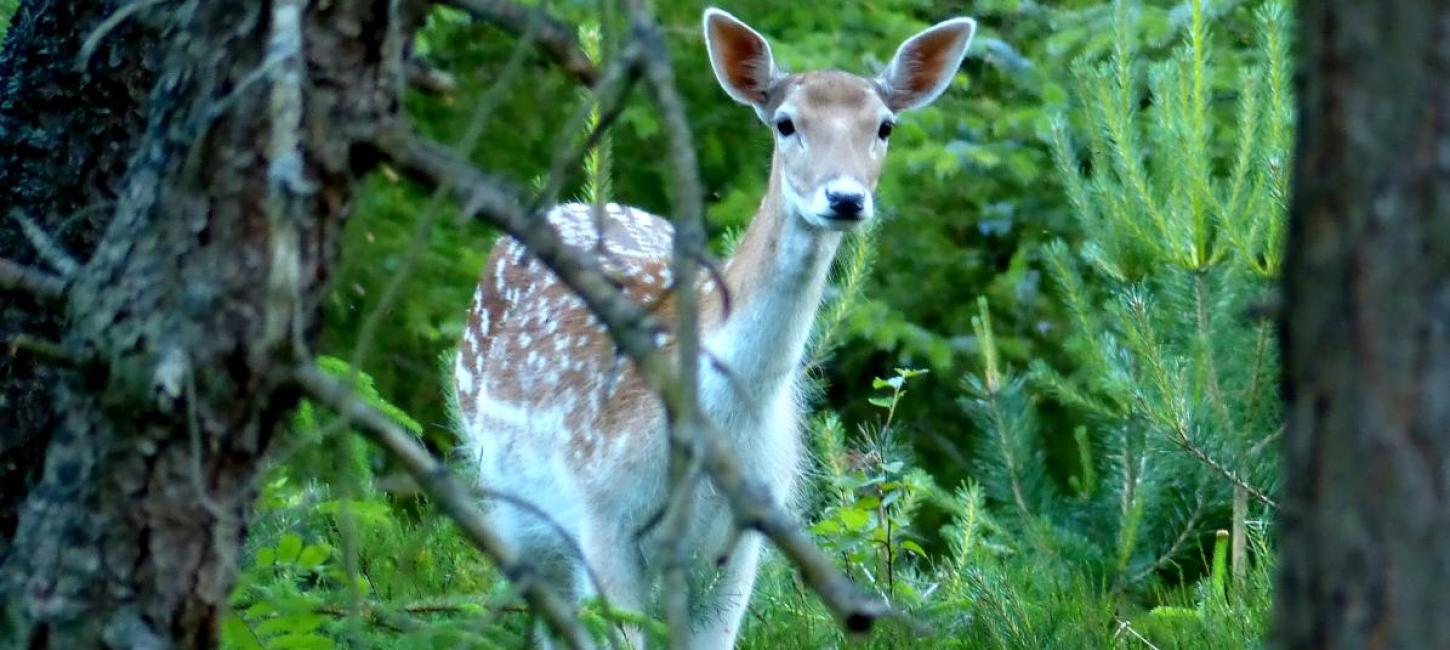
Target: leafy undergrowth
point(342, 557)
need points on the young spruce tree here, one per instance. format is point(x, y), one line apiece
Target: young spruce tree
point(1169, 362)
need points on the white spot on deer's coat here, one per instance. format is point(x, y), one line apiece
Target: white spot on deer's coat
point(465, 377)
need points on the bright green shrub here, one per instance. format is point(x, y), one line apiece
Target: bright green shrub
point(1167, 362)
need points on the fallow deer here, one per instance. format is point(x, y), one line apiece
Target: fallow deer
point(550, 416)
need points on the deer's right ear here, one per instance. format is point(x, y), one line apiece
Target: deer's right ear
point(741, 58)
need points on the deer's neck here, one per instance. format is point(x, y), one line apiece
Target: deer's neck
point(776, 277)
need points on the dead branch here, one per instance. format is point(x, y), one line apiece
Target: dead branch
point(555, 37)
point(482, 116)
point(452, 497)
point(49, 351)
point(23, 279)
point(1185, 443)
point(686, 420)
point(608, 96)
point(49, 250)
point(429, 79)
point(107, 26)
point(481, 194)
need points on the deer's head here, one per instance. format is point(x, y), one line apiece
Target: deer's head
point(832, 128)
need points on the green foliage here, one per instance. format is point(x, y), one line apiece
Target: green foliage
point(341, 556)
point(870, 495)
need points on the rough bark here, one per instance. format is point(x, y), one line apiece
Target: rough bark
point(193, 304)
point(1365, 553)
point(66, 135)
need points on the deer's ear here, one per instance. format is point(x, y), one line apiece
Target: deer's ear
point(740, 56)
point(925, 63)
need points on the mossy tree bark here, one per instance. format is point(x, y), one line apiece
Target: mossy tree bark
point(203, 249)
point(1365, 551)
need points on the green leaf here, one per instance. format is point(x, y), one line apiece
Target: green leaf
point(827, 527)
point(288, 548)
point(237, 635)
point(854, 519)
point(883, 402)
point(313, 556)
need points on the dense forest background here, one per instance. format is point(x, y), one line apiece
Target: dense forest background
point(1045, 399)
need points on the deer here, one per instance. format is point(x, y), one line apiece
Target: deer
point(550, 416)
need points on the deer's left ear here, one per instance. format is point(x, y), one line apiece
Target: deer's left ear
point(925, 63)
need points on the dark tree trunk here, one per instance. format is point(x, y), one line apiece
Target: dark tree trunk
point(1365, 550)
point(199, 289)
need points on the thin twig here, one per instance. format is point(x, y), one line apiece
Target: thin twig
point(553, 524)
point(107, 26)
point(608, 100)
point(24, 279)
point(555, 38)
point(1203, 457)
point(452, 497)
point(1189, 527)
point(429, 79)
point(50, 351)
point(1125, 626)
point(686, 420)
point(64, 263)
point(478, 123)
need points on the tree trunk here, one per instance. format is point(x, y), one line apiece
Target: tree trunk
point(65, 138)
point(198, 293)
point(1365, 524)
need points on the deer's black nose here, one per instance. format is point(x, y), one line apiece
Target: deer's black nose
point(846, 205)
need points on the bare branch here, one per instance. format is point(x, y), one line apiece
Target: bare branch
point(479, 193)
point(24, 279)
point(482, 116)
point(553, 524)
point(109, 25)
point(609, 97)
point(46, 246)
point(1185, 443)
point(554, 36)
point(429, 79)
point(451, 496)
point(49, 351)
point(686, 420)
point(755, 509)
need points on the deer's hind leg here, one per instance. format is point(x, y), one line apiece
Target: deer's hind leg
point(723, 596)
point(612, 557)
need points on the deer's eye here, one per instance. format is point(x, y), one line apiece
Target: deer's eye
point(885, 131)
point(785, 127)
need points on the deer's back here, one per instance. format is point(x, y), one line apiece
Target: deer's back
point(537, 376)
